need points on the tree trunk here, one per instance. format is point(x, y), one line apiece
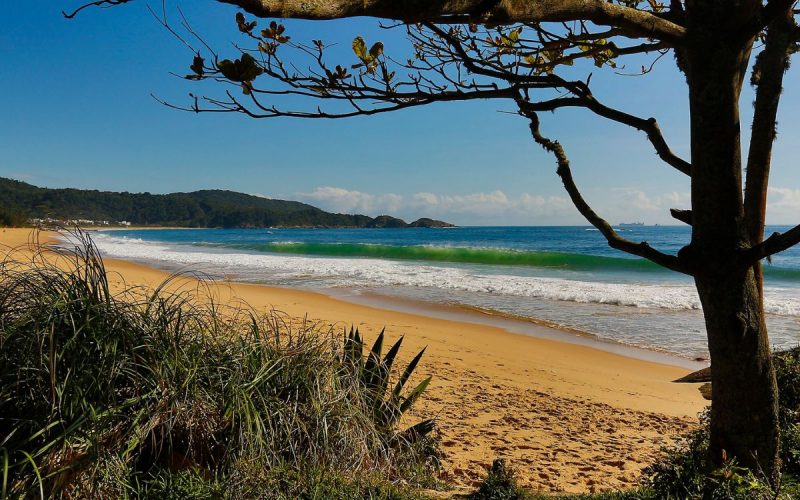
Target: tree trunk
point(744, 413)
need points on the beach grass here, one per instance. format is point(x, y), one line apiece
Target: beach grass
point(145, 392)
point(117, 392)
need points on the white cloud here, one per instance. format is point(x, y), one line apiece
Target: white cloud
point(498, 208)
point(784, 198)
point(783, 205)
point(494, 207)
point(626, 199)
point(346, 201)
point(469, 204)
point(674, 200)
point(425, 199)
point(625, 204)
point(640, 201)
point(553, 205)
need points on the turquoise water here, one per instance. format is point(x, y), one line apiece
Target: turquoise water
point(564, 275)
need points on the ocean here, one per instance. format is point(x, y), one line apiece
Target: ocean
point(563, 276)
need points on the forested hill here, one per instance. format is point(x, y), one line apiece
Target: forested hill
point(208, 208)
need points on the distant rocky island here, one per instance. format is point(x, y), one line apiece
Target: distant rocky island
point(20, 201)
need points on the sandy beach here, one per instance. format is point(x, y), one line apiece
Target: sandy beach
point(567, 417)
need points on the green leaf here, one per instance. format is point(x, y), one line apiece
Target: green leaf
point(245, 69)
point(388, 360)
point(6, 461)
point(243, 25)
point(197, 65)
point(227, 68)
point(376, 50)
point(551, 55)
point(407, 374)
point(353, 348)
point(275, 32)
point(415, 394)
point(372, 372)
point(360, 48)
point(418, 430)
point(382, 383)
point(377, 347)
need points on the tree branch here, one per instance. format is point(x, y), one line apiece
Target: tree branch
point(639, 22)
point(765, 15)
point(403, 101)
point(649, 126)
point(768, 72)
point(776, 243)
point(642, 249)
point(484, 68)
point(584, 97)
point(98, 3)
point(501, 11)
point(684, 216)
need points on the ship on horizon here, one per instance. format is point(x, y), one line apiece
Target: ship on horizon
point(638, 223)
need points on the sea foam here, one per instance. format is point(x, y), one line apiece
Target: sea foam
point(360, 272)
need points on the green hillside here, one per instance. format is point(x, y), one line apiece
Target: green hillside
point(207, 208)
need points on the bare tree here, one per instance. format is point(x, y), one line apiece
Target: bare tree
point(515, 50)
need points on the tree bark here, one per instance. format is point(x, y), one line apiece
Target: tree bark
point(769, 70)
point(602, 12)
point(744, 412)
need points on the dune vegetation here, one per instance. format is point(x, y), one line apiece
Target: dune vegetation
point(167, 394)
point(110, 391)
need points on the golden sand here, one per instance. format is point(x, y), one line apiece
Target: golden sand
point(567, 417)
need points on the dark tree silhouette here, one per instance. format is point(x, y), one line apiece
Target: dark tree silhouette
point(516, 50)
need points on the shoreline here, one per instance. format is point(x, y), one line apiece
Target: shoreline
point(527, 324)
point(518, 325)
point(568, 417)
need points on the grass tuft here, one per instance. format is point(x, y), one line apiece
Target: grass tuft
point(167, 394)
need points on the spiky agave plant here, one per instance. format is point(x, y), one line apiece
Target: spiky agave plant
point(373, 373)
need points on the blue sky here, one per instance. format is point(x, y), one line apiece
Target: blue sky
point(78, 112)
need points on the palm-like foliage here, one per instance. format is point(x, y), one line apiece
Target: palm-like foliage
point(373, 373)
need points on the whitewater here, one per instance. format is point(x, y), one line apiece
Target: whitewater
point(564, 276)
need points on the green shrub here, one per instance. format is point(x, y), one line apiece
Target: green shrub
point(179, 485)
point(372, 376)
point(686, 472)
point(500, 484)
point(787, 373)
point(142, 393)
point(280, 483)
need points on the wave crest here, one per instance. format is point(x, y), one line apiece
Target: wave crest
point(274, 267)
